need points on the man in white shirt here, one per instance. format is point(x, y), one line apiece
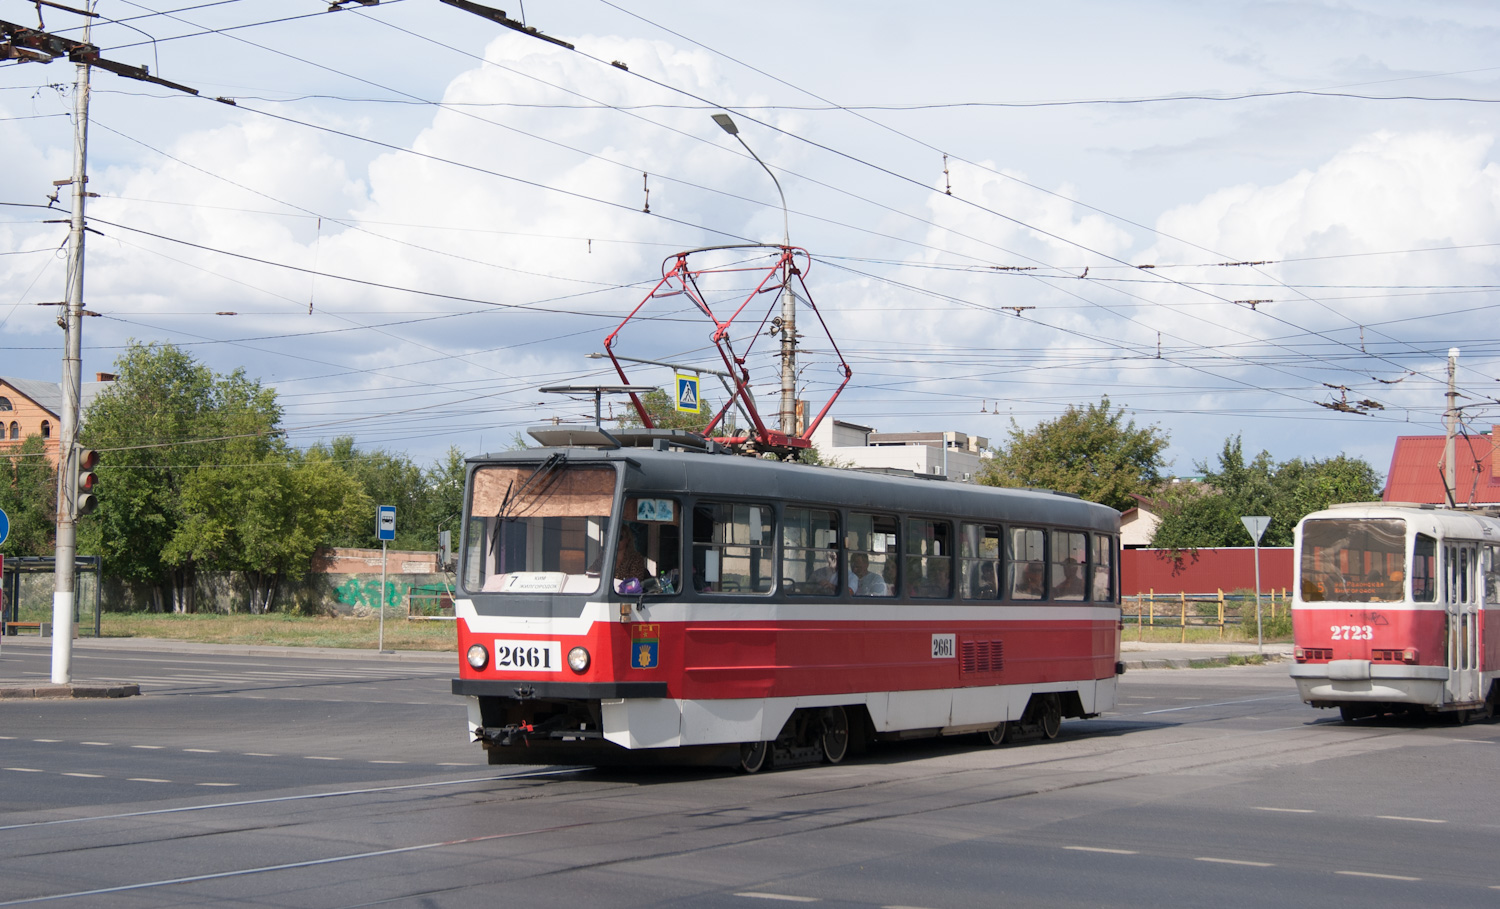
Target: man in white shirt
point(863, 582)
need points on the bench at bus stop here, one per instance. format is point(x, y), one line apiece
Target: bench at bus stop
point(43, 629)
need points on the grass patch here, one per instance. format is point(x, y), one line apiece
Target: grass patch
point(1164, 634)
point(278, 630)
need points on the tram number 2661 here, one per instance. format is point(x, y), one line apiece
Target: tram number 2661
point(1353, 632)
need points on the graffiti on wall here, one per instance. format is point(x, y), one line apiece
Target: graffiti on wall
point(360, 592)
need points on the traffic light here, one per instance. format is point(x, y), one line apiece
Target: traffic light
point(88, 459)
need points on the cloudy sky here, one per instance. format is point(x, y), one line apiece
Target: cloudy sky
point(1223, 216)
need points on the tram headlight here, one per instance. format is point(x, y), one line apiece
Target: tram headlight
point(578, 660)
point(478, 656)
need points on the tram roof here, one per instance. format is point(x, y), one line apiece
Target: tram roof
point(1421, 516)
point(711, 474)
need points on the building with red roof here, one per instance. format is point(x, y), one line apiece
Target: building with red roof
point(1416, 473)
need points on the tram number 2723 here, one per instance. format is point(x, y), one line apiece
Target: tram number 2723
point(1353, 632)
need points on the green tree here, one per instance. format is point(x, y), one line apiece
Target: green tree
point(28, 496)
point(665, 415)
point(1208, 515)
point(1093, 452)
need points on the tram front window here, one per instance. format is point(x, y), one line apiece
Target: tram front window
point(1358, 560)
point(537, 528)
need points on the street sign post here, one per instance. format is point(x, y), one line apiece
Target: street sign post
point(385, 529)
point(687, 394)
point(1255, 525)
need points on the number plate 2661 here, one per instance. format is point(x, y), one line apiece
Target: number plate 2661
point(528, 656)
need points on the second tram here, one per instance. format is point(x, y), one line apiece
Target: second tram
point(1397, 608)
point(643, 597)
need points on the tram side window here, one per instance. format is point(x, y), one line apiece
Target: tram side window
point(649, 549)
point(733, 548)
point(1104, 569)
point(1070, 557)
point(810, 552)
point(929, 559)
point(1491, 574)
point(1026, 563)
point(872, 553)
point(1424, 569)
point(979, 561)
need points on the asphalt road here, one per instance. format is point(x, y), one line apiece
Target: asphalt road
point(268, 781)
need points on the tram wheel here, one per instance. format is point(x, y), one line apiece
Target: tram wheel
point(753, 756)
point(997, 735)
point(1051, 716)
point(835, 736)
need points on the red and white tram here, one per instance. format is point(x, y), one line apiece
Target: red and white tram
point(624, 599)
point(1397, 608)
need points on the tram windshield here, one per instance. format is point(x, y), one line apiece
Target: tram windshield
point(537, 528)
point(1354, 560)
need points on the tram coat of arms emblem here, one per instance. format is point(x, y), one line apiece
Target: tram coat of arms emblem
point(643, 646)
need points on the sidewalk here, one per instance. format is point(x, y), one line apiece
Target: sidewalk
point(1154, 655)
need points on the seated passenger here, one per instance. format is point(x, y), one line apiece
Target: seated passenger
point(862, 581)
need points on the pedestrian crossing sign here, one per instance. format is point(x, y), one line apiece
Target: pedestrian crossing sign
point(687, 394)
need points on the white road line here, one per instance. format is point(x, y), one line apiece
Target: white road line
point(48, 741)
point(149, 747)
point(1415, 820)
point(457, 764)
point(94, 743)
point(1101, 849)
point(1384, 877)
point(310, 863)
point(87, 776)
point(24, 769)
point(388, 762)
point(258, 754)
point(1286, 810)
point(783, 897)
point(7, 738)
point(145, 779)
point(1225, 861)
point(216, 784)
point(315, 757)
point(337, 793)
point(1219, 704)
point(201, 750)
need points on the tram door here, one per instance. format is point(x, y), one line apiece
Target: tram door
point(1461, 603)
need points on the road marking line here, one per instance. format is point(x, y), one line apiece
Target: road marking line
point(388, 762)
point(1416, 820)
point(456, 764)
point(93, 743)
point(87, 776)
point(314, 757)
point(258, 754)
point(48, 741)
point(1287, 810)
point(903, 907)
point(1384, 877)
point(1224, 861)
point(784, 897)
point(1219, 704)
point(7, 737)
point(24, 769)
point(200, 750)
point(145, 779)
point(149, 747)
point(216, 784)
point(1101, 849)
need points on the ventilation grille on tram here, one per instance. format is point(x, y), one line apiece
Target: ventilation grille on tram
point(981, 656)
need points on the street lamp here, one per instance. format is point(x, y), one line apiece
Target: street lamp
point(728, 126)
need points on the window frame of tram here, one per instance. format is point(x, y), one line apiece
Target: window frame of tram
point(1068, 562)
point(1033, 542)
point(723, 531)
point(563, 542)
point(812, 559)
point(1424, 570)
point(929, 559)
point(877, 539)
point(980, 562)
point(656, 535)
point(1103, 573)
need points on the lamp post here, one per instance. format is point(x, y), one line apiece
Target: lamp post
point(788, 302)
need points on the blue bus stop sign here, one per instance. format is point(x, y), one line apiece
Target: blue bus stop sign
point(4, 525)
point(385, 522)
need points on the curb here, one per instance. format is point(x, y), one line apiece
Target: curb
point(23, 690)
point(162, 645)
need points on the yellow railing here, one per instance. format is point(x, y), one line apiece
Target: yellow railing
point(1171, 610)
